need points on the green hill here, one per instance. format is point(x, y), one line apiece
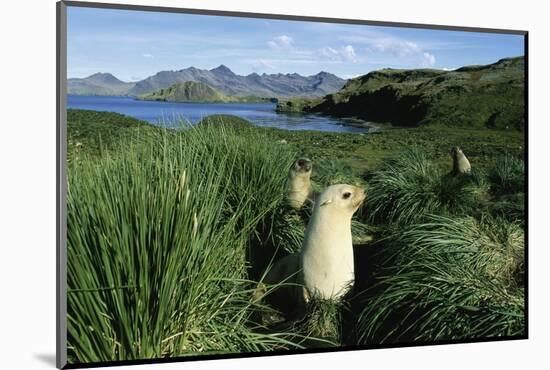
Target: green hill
point(195, 92)
point(476, 96)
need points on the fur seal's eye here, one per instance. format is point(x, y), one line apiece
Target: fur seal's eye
point(346, 195)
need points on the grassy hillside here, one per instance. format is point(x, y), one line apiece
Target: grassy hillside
point(168, 229)
point(490, 96)
point(196, 92)
point(93, 132)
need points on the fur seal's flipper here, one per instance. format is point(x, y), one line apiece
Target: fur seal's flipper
point(285, 280)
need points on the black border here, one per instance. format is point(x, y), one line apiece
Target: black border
point(61, 35)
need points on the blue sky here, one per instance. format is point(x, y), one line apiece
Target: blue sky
point(133, 45)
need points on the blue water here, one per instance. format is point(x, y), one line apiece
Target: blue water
point(165, 113)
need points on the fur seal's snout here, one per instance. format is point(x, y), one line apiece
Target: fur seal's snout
point(303, 164)
point(461, 164)
point(298, 185)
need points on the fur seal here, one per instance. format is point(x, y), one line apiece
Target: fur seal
point(324, 266)
point(461, 164)
point(327, 252)
point(298, 184)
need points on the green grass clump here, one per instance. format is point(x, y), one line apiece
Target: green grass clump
point(507, 175)
point(327, 171)
point(445, 279)
point(409, 186)
point(158, 238)
point(510, 207)
point(324, 321)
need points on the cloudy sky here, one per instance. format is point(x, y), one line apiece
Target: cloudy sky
point(133, 45)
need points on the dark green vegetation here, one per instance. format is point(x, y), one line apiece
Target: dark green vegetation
point(169, 229)
point(196, 92)
point(490, 96)
point(299, 105)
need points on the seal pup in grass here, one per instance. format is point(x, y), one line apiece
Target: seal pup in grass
point(298, 183)
point(324, 267)
point(461, 164)
point(327, 252)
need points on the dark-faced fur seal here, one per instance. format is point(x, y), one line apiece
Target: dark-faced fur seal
point(298, 184)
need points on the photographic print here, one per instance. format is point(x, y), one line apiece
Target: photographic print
point(241, 184)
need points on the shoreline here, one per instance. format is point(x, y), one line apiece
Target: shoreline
point(259, 113)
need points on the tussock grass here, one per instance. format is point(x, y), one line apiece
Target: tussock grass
point(324, 321)
point(507, 176)
point(448, 278)
point(328, 172)
point(409, 186)
point(169, 230)
point(510, 207)
point(158, 239)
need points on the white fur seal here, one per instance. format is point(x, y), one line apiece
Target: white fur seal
point(327, 252)
point(324, 267)
point(298, 184)
point(461, 164)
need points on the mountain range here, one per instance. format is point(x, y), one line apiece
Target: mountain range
point(221, 78)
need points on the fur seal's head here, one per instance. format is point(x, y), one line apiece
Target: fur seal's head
point(341, 198)
point(456, 151)
point(298, 186)
point(301, 167)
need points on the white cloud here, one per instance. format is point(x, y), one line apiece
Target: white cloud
point(329, 53)
point(147, 55)
point(407, 51)
point(343, 54)
point(262, 65)
point(397, 48)
point(429, 59)
point(281, 42)
point(349, 54)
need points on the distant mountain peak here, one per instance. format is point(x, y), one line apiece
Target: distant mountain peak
point(100, 74)
point(104, 78)
point(222, 69)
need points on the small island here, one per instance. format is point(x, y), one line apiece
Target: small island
point(197, 92)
